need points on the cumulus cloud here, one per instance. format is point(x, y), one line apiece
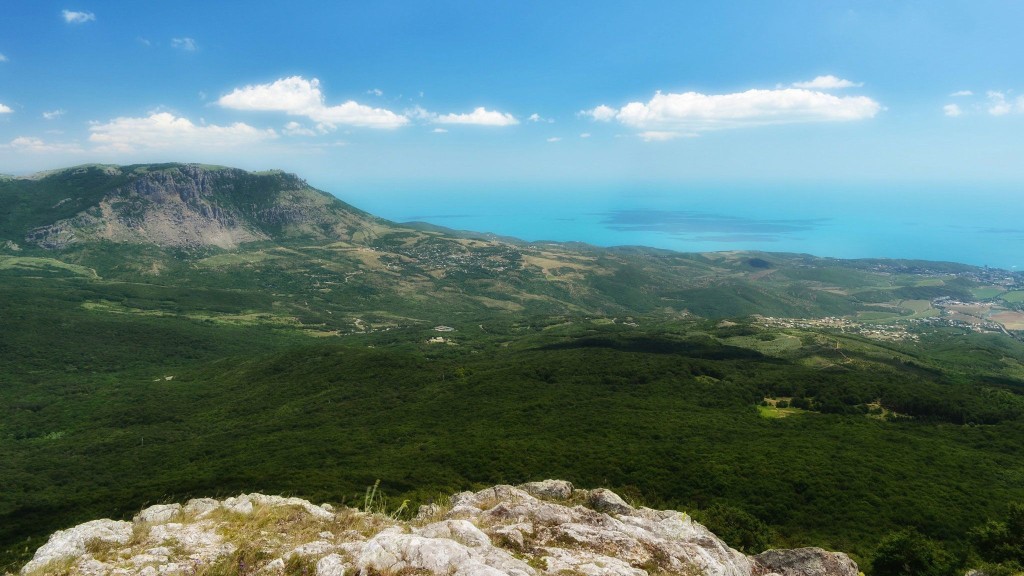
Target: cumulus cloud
point(538, 118)
point(73, 17)
point(165, 130)
point(601, 113)
point(185, 43)
point(962, 93)
point(692, 112)
point(828, 82)
point(952, 110)
point(296, 129)
point(297, 96)
point(480, 117)
point(999, 103)
point(53, 114)
point(375, 92)
point(31, 144)
point(5, 109)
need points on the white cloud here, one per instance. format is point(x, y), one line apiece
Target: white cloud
point(961, 93)
point(692, 112)
point(297, 96)
point(828, 82)
point(5, 109)
point(31, 144)
point(165, 130)
point(661, 135)
point(296, 129)
point(480, 117)
point(601, 113)
point(554, 139)
point(1000, 105)
point(375, 92)
point(53, 114)
point(419, 113)
point(439, 131)
point(3, 58)
point(538, 118)
point(997, 104)
point(72, 17)
point(585, 135)
point(185, 43)
point(952, 110)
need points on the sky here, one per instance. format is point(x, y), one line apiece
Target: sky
point(366, 95)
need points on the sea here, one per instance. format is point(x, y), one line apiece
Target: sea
point(982, 226)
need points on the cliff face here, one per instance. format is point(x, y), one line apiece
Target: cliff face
point(187, 205)
point(534, 529)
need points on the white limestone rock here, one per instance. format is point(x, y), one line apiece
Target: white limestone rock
point(200, 507)
point(73, 542)
point(554, 489)
point(331, 565)
point(158, 514)
point(500, 531)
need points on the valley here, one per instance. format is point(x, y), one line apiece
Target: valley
point(138, 367)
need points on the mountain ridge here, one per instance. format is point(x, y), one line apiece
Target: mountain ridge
point(191, 205)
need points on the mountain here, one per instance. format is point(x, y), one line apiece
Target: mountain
point(173, 206)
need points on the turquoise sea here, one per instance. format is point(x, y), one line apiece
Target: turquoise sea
point(957, 224)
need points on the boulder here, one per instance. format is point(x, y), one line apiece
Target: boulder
point(804, 562)
point(158, 514)
point(604, 500)
point(553, 489)
point(75, 542)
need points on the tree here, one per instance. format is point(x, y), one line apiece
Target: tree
point(739, 529)
point(908, 553)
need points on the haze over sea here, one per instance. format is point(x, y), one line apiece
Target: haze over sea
point(953, 224)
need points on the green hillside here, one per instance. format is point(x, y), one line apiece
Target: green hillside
point(822, 402)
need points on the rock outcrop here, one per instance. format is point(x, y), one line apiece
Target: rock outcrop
point(531, 530)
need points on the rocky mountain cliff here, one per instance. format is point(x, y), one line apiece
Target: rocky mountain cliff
point(176, 206)
point(537, 528)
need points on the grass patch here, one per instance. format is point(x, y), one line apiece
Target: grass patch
point(987, 292)
point(771, 410)
point(27, 265)
point(1015, 297)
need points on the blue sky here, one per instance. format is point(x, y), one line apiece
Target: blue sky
point(397, 92)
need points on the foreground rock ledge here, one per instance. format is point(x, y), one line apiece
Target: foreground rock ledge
point(537, 528)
